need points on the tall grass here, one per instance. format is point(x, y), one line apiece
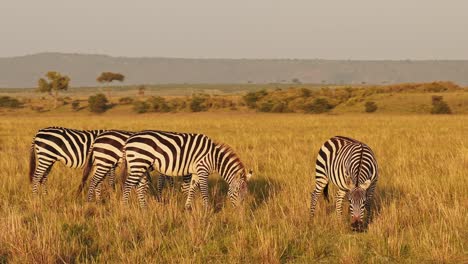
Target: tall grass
point(420, 204)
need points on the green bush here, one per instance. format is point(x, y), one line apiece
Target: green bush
point(280, 107)
point(141, 107)
point(266, 106)
point(439, 106)
point(125, 100)
point(75, 104)
point(319, 105)
point(252, 98)
point(158, 104)
point(197, 104)
point(305, 92)
point(10, 102)
point(98, 103)
point(370, 107)
point(177, 104)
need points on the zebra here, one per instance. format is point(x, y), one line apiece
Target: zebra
point(105, 155)
point(52, 144)
point(352, 167)
point(177, 154)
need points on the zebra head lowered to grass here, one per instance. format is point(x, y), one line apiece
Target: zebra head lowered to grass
point(52, 144)
point(178, 154)
point(352, 167)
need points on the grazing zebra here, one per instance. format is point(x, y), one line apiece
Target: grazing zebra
point(177, 154)
point(352, 167)
point(52, 144)
point(105, 155)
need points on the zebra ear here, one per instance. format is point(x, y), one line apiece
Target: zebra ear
point(366, 184)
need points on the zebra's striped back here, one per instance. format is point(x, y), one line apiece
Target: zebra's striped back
point(108, 147)
point(170, 153)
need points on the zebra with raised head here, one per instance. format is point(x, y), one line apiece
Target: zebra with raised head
point(178, 154)
point(352, 167)
point(105, 155)
point(52, 144)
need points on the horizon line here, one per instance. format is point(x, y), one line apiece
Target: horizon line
point(220, 58)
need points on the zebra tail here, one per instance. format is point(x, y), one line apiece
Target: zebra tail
point(325, 193)
point(124, 173)
point(32, 162)
point(86, 171)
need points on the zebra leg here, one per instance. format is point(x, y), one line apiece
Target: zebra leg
point(186, 184)
point(133, 180)
point(97, 192)
point(368, 204)
point(340, 194)
point(151, 186)
point(161, 183)
point(141, 191)
point(44, 183)
point(111, 175)
point(203, 183)
point(191, 192)
point(43, 180)
point(319, 186)
point(40, 173)
point(95, 185)
point(170, 180)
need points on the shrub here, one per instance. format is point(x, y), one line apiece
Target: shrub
point(266, 106)
point(280, 107)
point(296, 105)
point(10, 102)
point(252, 98)
point(158, 104)
point(125, 100)
point(370, 107)
point(141, 107)
point(177, 104)
point(98, 103)
point(75, 104)
point(439, 106)
point(305, 92)
point(37, 108)
point(197, 104)
point(319, 105)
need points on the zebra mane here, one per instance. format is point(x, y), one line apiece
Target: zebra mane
point(73, 129)
point(360, 164)
point(229, 152)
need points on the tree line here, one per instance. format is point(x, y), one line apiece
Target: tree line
point(291, 100)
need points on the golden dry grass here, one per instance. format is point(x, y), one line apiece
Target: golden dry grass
point(421, 197)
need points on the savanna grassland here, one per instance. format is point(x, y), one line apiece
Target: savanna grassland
point(420, 207)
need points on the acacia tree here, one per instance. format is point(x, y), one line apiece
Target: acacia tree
point(109, 77)
point(55, 82)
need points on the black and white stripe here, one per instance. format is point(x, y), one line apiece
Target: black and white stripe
point(352, 167)
point(178, 154)
point(52, 144)
point(105, 155)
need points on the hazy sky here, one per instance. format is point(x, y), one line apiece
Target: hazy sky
point(361, 29)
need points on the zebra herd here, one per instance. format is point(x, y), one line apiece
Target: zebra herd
point(347, 163)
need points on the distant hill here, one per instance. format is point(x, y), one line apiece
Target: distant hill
point(83, 69)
